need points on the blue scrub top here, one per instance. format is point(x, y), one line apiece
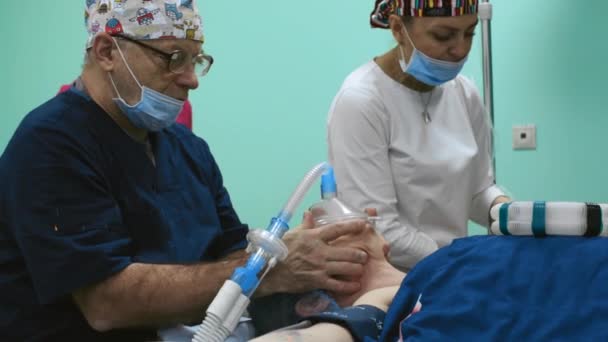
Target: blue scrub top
point(80, 201)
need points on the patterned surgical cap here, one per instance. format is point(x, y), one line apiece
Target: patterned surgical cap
point(144, 19)
point(420, 8)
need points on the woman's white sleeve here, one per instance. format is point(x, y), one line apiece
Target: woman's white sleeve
point(485, 191)
point(359, 142)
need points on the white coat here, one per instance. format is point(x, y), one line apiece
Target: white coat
point(425, 179)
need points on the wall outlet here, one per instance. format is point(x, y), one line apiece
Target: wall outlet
point(524, 137)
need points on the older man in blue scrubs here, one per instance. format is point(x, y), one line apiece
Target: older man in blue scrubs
point(114, 222)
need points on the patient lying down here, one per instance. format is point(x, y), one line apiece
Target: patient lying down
point(379, 283)
point(483, 288)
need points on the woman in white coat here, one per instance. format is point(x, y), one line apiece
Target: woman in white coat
point(409, 136)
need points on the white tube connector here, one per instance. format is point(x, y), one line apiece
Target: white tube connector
point(303, 187)
point(223, 315)
point(485, 11)
point(272, 245)
point(211, 330)
point(230, 303)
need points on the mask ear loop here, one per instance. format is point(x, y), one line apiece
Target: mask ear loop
point(128, 68)
point(405, 65)
point(114, 85)
point(126, 64)
point(407, 34)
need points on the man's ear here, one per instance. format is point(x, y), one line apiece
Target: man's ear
point(101, 51)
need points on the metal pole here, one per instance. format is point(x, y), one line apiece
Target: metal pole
point(485, 15)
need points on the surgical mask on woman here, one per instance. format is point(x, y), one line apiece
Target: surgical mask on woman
point(428, 70)
point(154, 111)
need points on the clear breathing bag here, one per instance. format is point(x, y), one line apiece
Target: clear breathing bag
point(331, 209)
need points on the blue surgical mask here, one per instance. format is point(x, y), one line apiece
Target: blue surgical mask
point(428, 70)
point(154, 111)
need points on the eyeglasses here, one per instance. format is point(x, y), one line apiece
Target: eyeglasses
point(178, 60)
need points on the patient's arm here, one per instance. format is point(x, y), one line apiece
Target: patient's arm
point(380, 298)
point(318, 332)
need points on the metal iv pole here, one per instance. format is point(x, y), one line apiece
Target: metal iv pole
point(485, 15)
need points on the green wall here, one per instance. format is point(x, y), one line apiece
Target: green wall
point(278, 65)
